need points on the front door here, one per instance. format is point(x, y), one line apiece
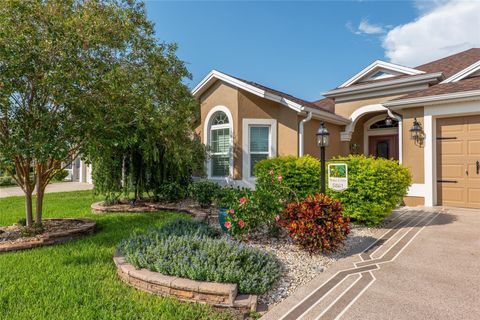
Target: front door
point(385, 146)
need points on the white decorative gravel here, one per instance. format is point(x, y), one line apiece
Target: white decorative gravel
point(299, 266)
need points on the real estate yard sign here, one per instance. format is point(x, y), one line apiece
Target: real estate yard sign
point(338, 176)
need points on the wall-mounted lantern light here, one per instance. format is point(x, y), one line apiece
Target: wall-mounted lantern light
point(388, 121)
point(416, 132)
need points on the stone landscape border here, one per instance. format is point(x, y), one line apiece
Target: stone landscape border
point(213, 293)
point(49, 238)
point(198, 214)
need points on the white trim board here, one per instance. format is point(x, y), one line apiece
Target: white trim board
point(416, 190)
point(435, 99)
point(462, 74)
point(247, 122)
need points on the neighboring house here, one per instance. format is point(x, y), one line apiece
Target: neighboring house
point(371, 113)
point(79, 171)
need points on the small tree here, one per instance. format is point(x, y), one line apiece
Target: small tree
point(72, 81)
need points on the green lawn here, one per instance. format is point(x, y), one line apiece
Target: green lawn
point(77, 280)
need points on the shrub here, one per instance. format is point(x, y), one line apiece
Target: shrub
point(6, 181)
point(171, 191)
point(301, 175)
point(182, 227)
point(375, 187)
point(196, 255)
point(227, 197)
point(316, 224)
point(204, 192)
point(250, 211)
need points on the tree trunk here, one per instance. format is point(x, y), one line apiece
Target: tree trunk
point(39, 204)
point(40, 191)
point(28, 207)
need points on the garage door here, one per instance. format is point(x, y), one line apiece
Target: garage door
point(458, 161)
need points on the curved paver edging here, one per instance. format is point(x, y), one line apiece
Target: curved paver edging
point(200, 215)
point(49, 238)
point(213, 293)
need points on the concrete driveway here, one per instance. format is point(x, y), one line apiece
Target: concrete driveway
point(54, 187)
point(425, 265)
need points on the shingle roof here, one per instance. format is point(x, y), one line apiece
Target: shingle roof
point(469, 84)
point(284, 95)
point(452, 64)
point(326, 104)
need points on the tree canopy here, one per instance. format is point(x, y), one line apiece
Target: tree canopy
point(86, 78)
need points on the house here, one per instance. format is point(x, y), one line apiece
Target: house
point(372, 113)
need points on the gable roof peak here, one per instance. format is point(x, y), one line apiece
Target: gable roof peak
point(378, 65)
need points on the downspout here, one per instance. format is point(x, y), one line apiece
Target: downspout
point(300, 133)
point(399, 118)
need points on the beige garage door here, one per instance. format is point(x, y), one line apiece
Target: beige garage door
point(458, 161)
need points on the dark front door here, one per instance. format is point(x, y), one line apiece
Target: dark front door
point(383, 146)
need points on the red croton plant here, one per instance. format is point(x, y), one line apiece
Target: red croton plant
point(316, 223)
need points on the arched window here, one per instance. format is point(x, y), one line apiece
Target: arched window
point(382, 124)
point(219, 142)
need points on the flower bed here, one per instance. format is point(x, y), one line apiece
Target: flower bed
point(55, 231)
point(216, 294)
point(189, 249)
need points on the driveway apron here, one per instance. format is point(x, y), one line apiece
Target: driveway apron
point(424, 265)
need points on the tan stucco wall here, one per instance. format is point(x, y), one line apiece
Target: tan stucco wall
point(254, 107)
point(345, 109)
point(244, 105)
point(413, 155)
point(414, 201)
point(335, 147)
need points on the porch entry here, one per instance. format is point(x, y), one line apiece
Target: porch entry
point(385, 146)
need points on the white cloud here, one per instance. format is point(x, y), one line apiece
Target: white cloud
point(365, 27)
point(446, 28)
point(368, 28)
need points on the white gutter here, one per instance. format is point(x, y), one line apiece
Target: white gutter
point(415, 79)
point(399, 118)
point(300, 133)
point(433, 99)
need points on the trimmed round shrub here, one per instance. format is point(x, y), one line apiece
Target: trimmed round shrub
point(316, 224)
point(196, 255)
point(204, 192)
point(299, 174)
point(375, 187)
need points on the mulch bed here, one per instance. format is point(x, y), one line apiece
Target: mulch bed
point(186, 206)
point(55, 231)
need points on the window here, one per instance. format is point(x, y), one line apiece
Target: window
point(259, 142)
point(382, 125)
point(220, 145)
point(259, 145)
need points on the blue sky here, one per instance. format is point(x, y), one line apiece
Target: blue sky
point(302, 48)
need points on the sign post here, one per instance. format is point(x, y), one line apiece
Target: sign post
point(338, 176)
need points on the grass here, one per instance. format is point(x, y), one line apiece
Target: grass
point(77, 280)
